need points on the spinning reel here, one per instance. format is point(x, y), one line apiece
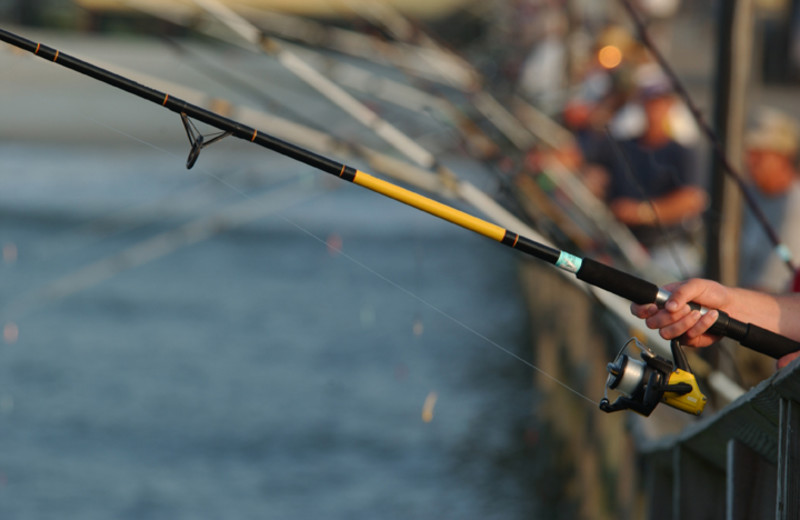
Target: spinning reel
point(653, 379)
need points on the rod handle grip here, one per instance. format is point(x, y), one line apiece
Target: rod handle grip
point(617, 282)
point(753, 336)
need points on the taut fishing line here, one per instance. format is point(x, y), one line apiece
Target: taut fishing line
point(441, 312)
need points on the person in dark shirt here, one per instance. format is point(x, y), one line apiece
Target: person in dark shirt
point(655, 185)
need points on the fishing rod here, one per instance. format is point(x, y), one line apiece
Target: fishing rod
point(780, 248)
point(654, 377)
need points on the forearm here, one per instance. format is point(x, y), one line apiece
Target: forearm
point(668, 210)
point(688, 201)
point(778, 313)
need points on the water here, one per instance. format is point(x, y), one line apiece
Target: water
point(259, 372)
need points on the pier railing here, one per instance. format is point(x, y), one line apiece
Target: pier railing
point(741, 463)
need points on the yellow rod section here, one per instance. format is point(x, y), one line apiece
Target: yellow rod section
point(431, 206)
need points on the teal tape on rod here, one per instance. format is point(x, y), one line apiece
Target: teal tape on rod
point(569, 262)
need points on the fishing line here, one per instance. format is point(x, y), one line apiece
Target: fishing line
point(413, 295)
point(441, 312)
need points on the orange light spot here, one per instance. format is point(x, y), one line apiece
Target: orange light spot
point(609, 56)
point(427, 407)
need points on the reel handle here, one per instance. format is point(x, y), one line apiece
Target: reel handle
point(640, 291)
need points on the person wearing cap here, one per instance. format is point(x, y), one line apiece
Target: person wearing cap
point(771, 156)
point(656, 187)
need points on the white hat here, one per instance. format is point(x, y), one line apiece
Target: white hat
point(774, 130)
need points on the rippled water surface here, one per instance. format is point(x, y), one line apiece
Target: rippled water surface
point(249, 341)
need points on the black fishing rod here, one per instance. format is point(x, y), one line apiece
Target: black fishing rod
point(781, 248)
point(590, 271)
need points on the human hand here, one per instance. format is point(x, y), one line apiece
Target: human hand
point(633, 212)
point(677, 319)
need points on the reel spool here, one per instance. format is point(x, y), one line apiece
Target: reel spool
point(653, 379)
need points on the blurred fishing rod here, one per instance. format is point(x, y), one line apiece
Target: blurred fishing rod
point(199, 229)
point(341, 98)
point(644, 36)
point(428, 63)
point(590, 271)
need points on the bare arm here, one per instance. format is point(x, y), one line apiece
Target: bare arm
point(670, 209)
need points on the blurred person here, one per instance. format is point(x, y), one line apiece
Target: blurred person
point(777, 313)
point(656, 187)
point(771, 156)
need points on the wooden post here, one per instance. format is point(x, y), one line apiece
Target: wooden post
point(734, 47)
